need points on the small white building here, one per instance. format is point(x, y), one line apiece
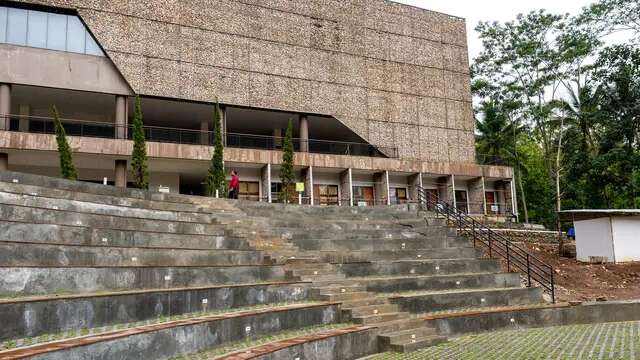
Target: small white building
point(606, 235)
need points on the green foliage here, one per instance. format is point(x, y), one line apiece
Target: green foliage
point(139, 170)
point(216, 177)
point(287, 173)
point(571, 105)
point(67, 169)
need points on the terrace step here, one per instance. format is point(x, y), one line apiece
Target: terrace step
point(416, 344)
point(407, 334)
point(380, 318)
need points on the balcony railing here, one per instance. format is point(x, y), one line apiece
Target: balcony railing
point(44, 125)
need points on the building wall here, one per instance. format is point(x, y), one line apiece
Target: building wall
point(594, 238)
point(625, 238)
point(395, 74)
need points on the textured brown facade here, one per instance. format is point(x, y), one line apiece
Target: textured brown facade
point(395, 74)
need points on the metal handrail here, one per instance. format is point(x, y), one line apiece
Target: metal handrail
point(495, 243)
point(43, 124)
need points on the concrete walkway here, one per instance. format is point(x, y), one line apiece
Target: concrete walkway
point(599, 341)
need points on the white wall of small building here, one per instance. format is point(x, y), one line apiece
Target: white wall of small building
point(594, 238)
point(626, 238)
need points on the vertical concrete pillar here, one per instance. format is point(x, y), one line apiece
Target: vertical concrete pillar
point(307, 178)
point(121, 173)
point(223, 111)
point(5, 106)
point(447, 189)
point(477, 203)
point(304, 133)
point(382, 188)
point(415, 182)
point(265, 180)
point(514, 200)
point(346, 188)
point(4, 161)
point(204, 132)
point(121, 117)
point(24, 112)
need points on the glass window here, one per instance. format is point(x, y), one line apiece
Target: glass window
point(75, 35)
point(57, 32)
point(3, 24)
point(17, 27)
point(37, 29)
point(92, 46)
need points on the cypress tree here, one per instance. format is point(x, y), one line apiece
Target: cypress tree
point(67, 169)
point(139, 170)
point(215, 176)
point(287, 173)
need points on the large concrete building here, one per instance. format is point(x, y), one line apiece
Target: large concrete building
point(378, 93)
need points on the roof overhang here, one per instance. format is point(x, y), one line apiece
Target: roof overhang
point(588, 214)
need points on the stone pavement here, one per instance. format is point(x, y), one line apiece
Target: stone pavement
point(600, 341)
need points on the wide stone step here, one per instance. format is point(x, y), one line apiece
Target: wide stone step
point(417, 344)
point(345, 296)
point(380, 318)
point(422, 302)
point(373, 300)
point(56, 313)
point(377, 244)
point(374, 309)
point(419, 267)
point(340, 234)
point(425, 254)
point(57, 217)
point(399, 325)
point(326, 290)
point(408, 334)
point(41, 202)
point(23, 281)
point(25, 254)
point(396, 284)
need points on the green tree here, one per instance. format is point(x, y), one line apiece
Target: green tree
point(139, 170)
point(67, 169)
point(606, 17)
point(216, 177)
point(287, 173)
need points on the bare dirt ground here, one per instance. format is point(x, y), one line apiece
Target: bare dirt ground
point(587, 282)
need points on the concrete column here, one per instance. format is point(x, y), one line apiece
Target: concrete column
point(121, 117)
point(477, 199)
point(5, 106)
point(346, 188)
point(121, 173)
point(265, 179)
point(304, 133)
point(204, 135)
point(223, 111)
point(382, 188)
point(24, 112)
point(415, 182)
point(307, 178)
point(277, 141)
point(4, 161)
point(447, 189)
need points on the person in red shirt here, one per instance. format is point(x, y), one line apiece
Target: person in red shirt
point(234, 185)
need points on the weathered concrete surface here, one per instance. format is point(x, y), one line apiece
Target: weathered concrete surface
point(60, 69)
point(421, 267)
point(447, 300)
point(589, 313)
point(79, 235)
point(32, 318)
point(344, 347)
point(22, 254)
point(40, 280)
point(155, 150)
point(182, 340)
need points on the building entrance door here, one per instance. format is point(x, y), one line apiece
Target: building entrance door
point(325, 194)
point(462, 201)
point(364, 194)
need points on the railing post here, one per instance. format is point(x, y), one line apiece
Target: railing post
point(473, 231)
point(508, 261)
point(553, 288)
point(528, 271)
point(490, 245)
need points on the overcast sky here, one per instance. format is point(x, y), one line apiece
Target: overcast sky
point(475, 11)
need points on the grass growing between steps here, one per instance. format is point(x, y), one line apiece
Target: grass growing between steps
point(594, 341)
point(73, 333)
point(253, 342)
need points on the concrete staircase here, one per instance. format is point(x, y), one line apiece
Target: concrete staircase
point(76, 256)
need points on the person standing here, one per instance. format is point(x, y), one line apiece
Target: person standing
point(234, 185)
